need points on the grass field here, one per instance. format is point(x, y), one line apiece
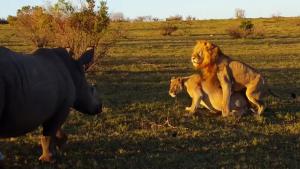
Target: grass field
point(133, 82)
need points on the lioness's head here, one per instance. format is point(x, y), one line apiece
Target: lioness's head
point(205, 54)
point(176, 86)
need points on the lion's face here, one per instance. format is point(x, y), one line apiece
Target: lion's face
point(204, 54)
point(176, 86)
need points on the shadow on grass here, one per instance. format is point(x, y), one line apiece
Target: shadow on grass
point(242, 149)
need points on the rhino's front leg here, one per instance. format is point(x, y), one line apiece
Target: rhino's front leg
point(1, 160)
point(51, 133)
point(60, 138)
point(48, 145)
point(47, 148)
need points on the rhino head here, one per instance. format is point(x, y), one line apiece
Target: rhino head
point(87, 99)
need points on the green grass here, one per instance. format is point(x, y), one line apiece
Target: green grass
point(134, 80)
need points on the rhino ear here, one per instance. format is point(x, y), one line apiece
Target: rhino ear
point(87, 57)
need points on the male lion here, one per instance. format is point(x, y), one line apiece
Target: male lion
point(208, 93)
point(232, 75)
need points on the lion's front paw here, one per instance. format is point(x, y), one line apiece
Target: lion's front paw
point(192, 111)
point(188, 108)
point(225, 111)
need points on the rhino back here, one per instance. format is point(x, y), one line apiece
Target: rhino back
point(35, 87)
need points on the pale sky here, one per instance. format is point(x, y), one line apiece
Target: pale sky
point(203, 9)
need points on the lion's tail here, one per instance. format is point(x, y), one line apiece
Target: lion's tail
point(292, 95)
point(268, 89)
point(273, 94)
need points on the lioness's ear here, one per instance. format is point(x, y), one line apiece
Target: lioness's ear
point(201, 41)
point(87, 57)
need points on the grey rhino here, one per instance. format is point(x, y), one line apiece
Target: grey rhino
point(39, 89)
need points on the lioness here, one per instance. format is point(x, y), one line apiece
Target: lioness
point(208, 93)
point(233, 75)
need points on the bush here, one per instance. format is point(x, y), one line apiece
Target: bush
point(34, 24)
point(174, 18)
point(62, 25)
point(245, 30)
point(247, 25)
point(3, 21)
point(168, 28)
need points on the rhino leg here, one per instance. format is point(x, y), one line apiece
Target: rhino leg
point(1, 160)
point(47, 155)
point(2, 97)
point(50, 130)
point(60, 138)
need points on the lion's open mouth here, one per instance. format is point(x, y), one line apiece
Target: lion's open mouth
point(196, 61)
point(172, 94)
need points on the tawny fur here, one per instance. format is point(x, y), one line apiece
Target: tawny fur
point(233, 75)
point(207, 92)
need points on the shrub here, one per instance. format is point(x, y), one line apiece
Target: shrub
point(174, 18)
point(3, 21)
point(63, 25)
point(247, 25)
point(245, 30)
point(34, 24)
point(168, 28)
point(234, 32)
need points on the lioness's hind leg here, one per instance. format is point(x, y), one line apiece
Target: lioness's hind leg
point(254, 94)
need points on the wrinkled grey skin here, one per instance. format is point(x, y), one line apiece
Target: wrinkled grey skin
point(40, 88)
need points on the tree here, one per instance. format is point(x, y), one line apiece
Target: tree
point(91, 5)
point(34, 24)
point(239, 13)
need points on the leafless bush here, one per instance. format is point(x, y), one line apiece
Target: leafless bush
point(190, 18)
point(174, 18)
point(168, 28)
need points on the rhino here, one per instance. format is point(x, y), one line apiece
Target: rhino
point(39, 89)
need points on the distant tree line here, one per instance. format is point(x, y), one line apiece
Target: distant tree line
point(119, 17)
